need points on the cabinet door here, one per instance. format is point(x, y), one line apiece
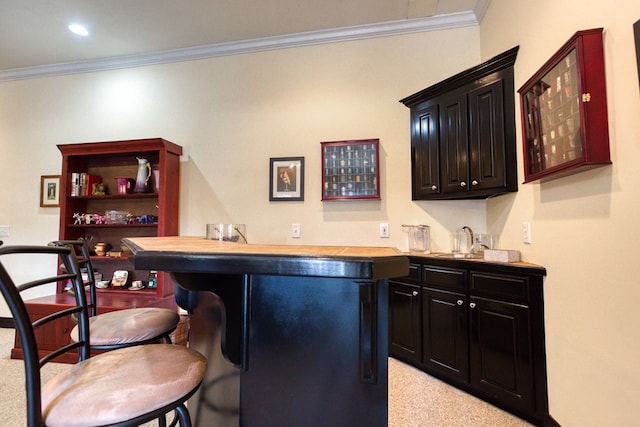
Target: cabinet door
point(500, 352)
point(487, 136)
point(424, 151)
point(404, 321)
point(453, 142)
point(444, 333)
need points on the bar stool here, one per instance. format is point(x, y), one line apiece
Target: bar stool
point(120, 328)
point(124, 387)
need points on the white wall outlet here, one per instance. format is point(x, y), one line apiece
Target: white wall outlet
point(526, 232)
point(295, 231)
point(4, 231)
point(384, 229)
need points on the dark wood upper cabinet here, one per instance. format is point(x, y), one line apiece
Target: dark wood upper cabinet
point(463, 139)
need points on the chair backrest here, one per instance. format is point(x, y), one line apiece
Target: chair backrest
point(25, 326)
point(83, 256)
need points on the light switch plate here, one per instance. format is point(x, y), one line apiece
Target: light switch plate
point(526, 232)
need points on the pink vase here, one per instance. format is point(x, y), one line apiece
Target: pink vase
point(124, 185)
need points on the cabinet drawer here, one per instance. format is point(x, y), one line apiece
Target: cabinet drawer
point(500, 287)
point(413, 276)
point(451, 279)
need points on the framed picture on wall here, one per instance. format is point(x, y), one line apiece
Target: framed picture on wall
point(286, 179)
point(50, 191)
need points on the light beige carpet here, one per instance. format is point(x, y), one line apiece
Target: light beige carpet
point(415, 398)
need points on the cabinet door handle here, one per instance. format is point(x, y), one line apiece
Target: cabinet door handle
point(472, 305)
point(463, 184)
point(414, 293)
point(460, 302)
point(434, 187)
point(474, 182)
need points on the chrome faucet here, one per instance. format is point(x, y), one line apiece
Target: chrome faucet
point(470, 231)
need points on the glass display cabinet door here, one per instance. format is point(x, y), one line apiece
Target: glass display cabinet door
point(350, 170)
point(564, 111)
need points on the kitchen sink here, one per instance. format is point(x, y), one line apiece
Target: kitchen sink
point(458, 256)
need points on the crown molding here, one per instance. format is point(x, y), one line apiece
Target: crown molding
point(481, 9)
point(360, 32)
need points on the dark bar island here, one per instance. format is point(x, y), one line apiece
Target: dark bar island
point(294, 335)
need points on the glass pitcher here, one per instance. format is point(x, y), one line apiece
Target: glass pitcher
point(419, 238)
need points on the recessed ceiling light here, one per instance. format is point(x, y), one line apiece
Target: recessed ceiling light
point(78, 29)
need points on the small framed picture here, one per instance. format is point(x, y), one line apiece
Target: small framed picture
point(286, 179)
point(50, 191)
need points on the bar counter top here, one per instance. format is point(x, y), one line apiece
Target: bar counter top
point(186, 253)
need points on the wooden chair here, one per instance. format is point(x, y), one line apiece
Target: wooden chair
point(120, 328)
point(125, 387)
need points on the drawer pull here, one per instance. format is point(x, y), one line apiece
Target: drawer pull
point(414, 293)
point(472, 305)
point(460, 302)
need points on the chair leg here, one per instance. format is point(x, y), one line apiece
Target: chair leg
point(180, 415)
point(183, 414)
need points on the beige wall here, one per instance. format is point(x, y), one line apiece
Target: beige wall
point(231, 114)
point(585, 227)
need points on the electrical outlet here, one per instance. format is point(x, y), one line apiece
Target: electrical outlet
point(4, 231)
point(384, 229)
point(295, 231)
point(526, 232)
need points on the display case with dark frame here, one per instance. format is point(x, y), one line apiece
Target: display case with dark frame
point(351, 170)
point(564, 111)
point(636, 34)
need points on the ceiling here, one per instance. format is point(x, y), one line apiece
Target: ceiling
point(34, 34)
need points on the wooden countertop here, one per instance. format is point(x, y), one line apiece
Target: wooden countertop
point(197, 254)
point(202, 245)
point(442, 258)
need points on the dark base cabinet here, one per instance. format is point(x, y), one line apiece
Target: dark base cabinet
point(482, 330)
point(445, 340)
point(404, 314)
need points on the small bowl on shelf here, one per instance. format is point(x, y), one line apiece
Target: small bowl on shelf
point(102, 284)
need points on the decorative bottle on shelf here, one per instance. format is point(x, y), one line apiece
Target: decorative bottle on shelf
point(153, 279)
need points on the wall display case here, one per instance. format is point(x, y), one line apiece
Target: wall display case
point(351, 170)
point(636, 34)
point(564, 111)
